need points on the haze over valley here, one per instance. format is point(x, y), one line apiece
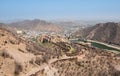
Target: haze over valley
point(59, 38)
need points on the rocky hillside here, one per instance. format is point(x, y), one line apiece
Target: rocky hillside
point(36, 25)
point(105, 32)
point(19, 57)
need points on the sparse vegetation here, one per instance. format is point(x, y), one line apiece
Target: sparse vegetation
point(72, 50)
point(18, 68)
point(34, 39)
point(5, 54)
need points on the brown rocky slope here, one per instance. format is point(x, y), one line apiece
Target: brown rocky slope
point(23, 58)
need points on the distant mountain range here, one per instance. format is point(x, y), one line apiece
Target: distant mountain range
point(105, 32)
point(36, 25)
point(53, 26)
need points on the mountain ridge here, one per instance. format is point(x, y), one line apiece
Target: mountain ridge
point(105, 32)
point(36, 25)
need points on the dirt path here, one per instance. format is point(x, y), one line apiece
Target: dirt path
point(61, 58)
point(36, 69)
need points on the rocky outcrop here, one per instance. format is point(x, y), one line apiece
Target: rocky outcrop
point(52, 38)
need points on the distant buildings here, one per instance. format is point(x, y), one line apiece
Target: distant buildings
point(19, 32)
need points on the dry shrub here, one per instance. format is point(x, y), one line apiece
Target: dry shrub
point(18, 68)
point(5, 54)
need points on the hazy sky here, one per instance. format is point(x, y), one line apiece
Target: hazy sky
point(60, 9)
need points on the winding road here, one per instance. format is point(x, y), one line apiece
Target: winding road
point(38, 68)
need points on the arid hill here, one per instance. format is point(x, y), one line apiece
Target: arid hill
point(19, 57)
point(105, 32)
point(36, 25)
